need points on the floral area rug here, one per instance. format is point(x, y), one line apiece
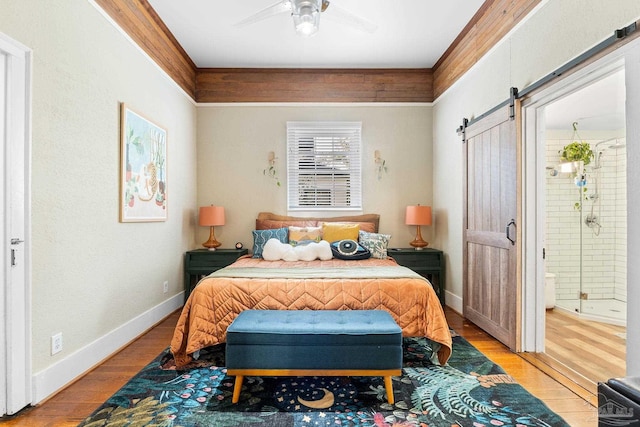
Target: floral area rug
point(469, 391)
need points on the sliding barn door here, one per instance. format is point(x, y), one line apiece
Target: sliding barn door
point(491, 252)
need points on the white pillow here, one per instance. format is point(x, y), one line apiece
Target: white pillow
point(275, 250)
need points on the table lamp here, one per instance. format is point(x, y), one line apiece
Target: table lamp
point(210, 216)
point(418, 215)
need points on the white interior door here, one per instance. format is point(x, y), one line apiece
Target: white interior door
point(15, 308)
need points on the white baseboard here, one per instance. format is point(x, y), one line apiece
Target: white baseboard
point(453, 301)
point(50, 380)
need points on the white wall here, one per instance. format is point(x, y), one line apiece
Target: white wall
point(93, 275)
point(556, 32)
point(234, 142)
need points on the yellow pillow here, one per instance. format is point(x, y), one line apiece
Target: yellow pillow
point(334, 231)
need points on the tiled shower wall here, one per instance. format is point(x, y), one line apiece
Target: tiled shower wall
point(574, 251)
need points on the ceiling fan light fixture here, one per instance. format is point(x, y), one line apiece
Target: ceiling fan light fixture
point(306, 16)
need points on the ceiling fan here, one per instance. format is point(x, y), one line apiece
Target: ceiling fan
point(306, 16)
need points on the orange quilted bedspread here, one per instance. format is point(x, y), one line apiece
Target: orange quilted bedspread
point(216, 301)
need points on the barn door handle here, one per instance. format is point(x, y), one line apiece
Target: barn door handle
point(506, 230)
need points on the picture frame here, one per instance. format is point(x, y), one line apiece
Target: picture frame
point(143, 168)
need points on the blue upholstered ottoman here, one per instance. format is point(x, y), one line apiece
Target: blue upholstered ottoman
point(314, 342)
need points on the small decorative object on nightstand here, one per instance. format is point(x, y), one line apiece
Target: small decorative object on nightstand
point(418, 215)
point(428, 262)
point(202, 262)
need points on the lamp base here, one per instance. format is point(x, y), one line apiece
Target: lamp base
point(419, 245)
point(419, 242)
point(212, 243)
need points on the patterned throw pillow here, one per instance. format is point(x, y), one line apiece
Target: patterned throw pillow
point(300, 235)
point(376, 243)
point(260, 237)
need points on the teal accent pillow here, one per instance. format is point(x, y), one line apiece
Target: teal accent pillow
point(375, 242)
point(260, 237)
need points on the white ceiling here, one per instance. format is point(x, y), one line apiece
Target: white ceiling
point(409, 33)
point(598, 106)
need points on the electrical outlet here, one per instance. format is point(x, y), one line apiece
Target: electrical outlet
point(56, 343)
point(165, 287)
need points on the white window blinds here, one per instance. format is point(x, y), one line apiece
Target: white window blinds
point(324, 165)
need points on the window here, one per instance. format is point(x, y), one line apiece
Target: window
point(324, 165)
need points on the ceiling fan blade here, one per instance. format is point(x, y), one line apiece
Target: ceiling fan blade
point(275, 9)
point(343, 16)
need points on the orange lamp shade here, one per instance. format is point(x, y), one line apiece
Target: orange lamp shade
point(211, 216)
point(418, 215)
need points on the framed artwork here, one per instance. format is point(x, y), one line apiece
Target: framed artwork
point(143, 168)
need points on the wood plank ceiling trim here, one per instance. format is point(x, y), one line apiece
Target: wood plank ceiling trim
point(492, 21)
point(314, 85)
point(141, 22)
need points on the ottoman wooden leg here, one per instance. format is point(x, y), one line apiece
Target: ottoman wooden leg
point(236, 388)
point(388, 385)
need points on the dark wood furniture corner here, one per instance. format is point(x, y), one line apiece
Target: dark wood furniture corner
point(428, 262)
point(201, 262)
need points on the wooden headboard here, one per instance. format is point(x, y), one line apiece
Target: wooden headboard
point(266, 220)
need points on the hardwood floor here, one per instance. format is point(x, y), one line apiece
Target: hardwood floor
point(580, 353)
point(77, 401)
point(592, 349)
point(73, 404)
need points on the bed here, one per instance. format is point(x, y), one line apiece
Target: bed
point(333, 284)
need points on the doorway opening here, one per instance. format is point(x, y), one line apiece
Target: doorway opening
point(585, 236)
point(586, 204)
point(576, 236)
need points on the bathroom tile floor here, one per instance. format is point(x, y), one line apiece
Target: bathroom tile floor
point(610, 310)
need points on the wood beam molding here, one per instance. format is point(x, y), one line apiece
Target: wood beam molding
point(314, 85)
point(141, 22)
point(490, 24)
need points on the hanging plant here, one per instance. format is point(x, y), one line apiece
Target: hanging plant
point(578, 151)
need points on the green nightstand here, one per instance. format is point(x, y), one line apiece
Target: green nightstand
point(428, 262)
point(201, 262)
